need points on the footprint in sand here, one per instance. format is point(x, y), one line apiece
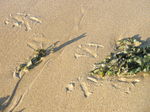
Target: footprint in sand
point(87, 50)
point(80, 84)
point(22, 20)
point(89, 84)
point(84, 84)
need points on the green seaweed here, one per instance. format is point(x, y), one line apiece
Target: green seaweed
point(130, 57)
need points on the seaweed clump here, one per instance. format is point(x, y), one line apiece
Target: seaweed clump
point(37, 58)
point(130, 57)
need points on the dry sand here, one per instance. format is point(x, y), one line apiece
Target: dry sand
point(42, 89)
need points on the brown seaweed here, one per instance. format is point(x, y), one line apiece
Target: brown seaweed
point(35, 60)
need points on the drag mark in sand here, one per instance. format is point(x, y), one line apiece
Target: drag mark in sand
point(7, 105)
point(16, 98)
point(16, 104)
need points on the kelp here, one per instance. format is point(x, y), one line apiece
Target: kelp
point(129, 57)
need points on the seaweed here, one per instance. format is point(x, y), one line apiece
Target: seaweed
point(129, 58)
point(35, 60)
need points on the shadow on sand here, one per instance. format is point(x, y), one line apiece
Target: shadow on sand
point(6, 101)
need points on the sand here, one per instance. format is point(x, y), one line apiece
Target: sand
point(43, 89)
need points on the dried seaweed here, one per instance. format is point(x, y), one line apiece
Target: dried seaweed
point(130, 57)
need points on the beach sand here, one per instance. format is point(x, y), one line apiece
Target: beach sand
point(43, 89)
